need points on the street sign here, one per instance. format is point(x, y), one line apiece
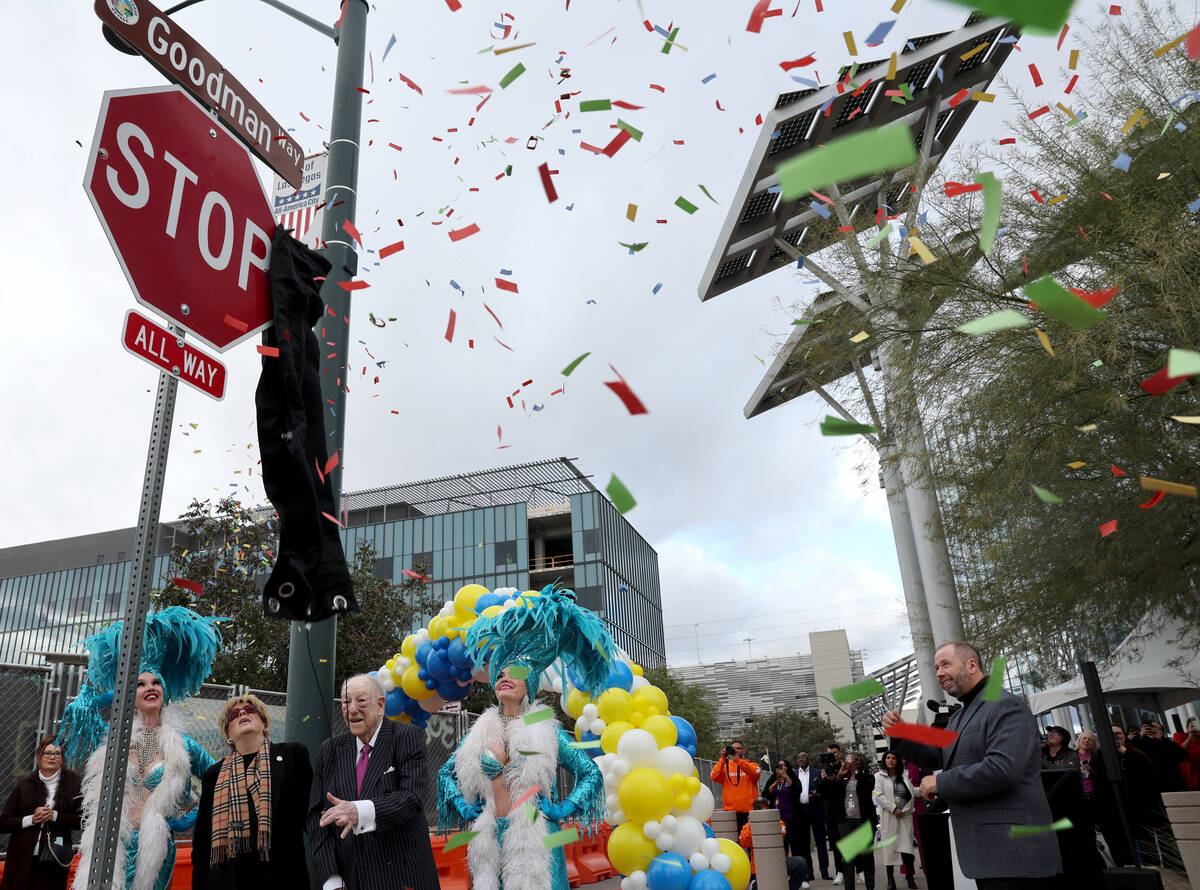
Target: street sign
point(302, 210)
point(159, 347)
point(182, 60)
point(185, 213)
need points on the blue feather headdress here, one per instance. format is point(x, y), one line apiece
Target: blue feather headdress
point(179, 647)
point(540, 630)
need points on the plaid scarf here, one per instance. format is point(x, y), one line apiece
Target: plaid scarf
point(236, 791)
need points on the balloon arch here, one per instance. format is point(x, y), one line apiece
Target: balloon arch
point(656, 803)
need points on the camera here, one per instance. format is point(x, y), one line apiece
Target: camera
point(828, 759)
point(730, 753)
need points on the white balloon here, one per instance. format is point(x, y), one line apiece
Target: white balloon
point(598, 726)
point(709, 847)
point(403, 663)
point(591, 711)
point(611, 781)
point(615, 817)
point(652, 829)
point(638, 683)
point(637, 880)
point(422, 636)
point(689, 835)
point(637, 747)
point(665, 841)
point(583, 724)
point(506, 591)
point(625, 884)
point(721, 863)
point(668, 823)
point(621, 767)
point(702, 804)
point(387, 681)
point(674, 759)
point(447, 608)
point(556, 685)
point(698, 862)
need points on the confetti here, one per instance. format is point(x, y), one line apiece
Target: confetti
point(450, 326)
point(1041, 16)
point(194, 586)
point(995, 682)
point(269, 351)
point(922, 735)
point(1047, 497)
point(459, 838)
point(1057, 302)
point(868, 688)
point(870, 151)
point(385, 252)
point(850, 47)
point(512, 75)
point(860, 337)
point(760, 13)
point(1165, 487)
point(236, 324)
point(685, 205)
point(997, 321)
point(632, 403)
point(836, 426)
point(856, 842)
point(548, 183)
point(1027, 830)
point(619, 495)
point(1183, 363)
point(411, 574)
point(566, 372)
point(631, 212)
point(1160, 383)
point(466, 232)
point(1108, 528)
point(538, 716)
point(595, 105)
point(560, 838)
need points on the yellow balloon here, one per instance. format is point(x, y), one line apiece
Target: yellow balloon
point(409, 647)
point(615, 705)
point(526, 599)
point(397, 675)
point(683, 801)
point(414, 686)
point(490, 611)
point(578, 734)
point(678, 782)
point(577, 699)
point(645, 794)
point(637, 669)
point(629, 850)
point(739, 875)
point(663, 729)
point(466, 596)
point(437, 627)
point(692, 786)
point(637, 718)
point(612, 732)
point(650, 700)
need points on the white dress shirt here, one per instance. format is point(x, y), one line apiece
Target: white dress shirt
point(803, 776)
point(366, 808)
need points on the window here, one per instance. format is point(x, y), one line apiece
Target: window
point(383, 568)
point(591, 540)
point(423, 561)
point(506, 553)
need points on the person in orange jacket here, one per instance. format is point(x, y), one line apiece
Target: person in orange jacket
point(738, 778)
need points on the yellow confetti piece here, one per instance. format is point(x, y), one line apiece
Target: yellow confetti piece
point(1054, 201)
point(1045, 341)
point(760, 361)
point(1067, 111)
point(849, 35)
point(1074, 59)
point(1087, 428)
point(1186, 418)
point(921, 250)
point(1151, 484)
point(859, 337)
point(1163, 50)
point(898, 5)
point(631, 212)
point(1132, 121)
point(891, 72)
point(983, 97)
point(194, 425)
point(1076, 464)
point(976, 50)
point(1163, 176)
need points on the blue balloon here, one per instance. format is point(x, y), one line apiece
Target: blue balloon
point(687, 735)
point(458, 655)
point(708, 830)
point(439, 667)
point(423, 652)
point(709, 880)
point(669, 871)
point(442, 643)
point(420, 719)
point(412, 707)
point(620, 677)
point(486, 600)
point(465, 675)
point(591, 737)
point(453, 691)
point(393, 705)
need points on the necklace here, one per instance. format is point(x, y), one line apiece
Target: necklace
point(146, 748)
point(506, 770)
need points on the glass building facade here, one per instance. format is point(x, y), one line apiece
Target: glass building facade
point(524, 526)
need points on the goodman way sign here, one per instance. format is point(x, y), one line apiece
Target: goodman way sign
point(177, 55)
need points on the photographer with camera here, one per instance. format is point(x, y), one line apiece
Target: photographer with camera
point(831, 762)
point(849, 803)
point(738, 778)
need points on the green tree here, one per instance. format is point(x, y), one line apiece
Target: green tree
point(785, 733)
point(228, 549)
point(693, 704)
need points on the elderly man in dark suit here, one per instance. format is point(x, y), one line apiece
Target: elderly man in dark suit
point(366, 812)
point(991, 777)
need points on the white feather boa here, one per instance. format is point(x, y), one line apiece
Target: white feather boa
point(523, 863)
point(154, 838)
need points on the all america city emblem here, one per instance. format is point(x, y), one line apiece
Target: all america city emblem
point(125, 10)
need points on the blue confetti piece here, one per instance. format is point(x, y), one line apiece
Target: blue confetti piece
point(1181, 127)
point(903, 232)
point(562, 151)
point(774, 190)
point(571, 206)
point(707, 79)
point(454, 284)
point(1122, 162)
point(657, 288)
point(938, 72)
point(506, 271)
point(1000, 232)
point(1194, 206)
point(800, 261)
point(924, 216)
point(777, 134)
point(1009, 39)
point(877, 36)
point(391, 43)
point(663, 31)
point(538, 407)
point(820, 209)
point(577, 131)
point(805, 81)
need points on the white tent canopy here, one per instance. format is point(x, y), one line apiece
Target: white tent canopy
point(1153, 671)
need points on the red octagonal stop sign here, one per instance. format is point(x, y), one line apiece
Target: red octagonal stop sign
point(185, 213)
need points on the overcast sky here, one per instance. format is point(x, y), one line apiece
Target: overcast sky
point(764, 529)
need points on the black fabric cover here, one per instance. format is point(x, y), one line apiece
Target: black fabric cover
point(310, 581)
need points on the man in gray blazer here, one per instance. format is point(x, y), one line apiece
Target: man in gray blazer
point(366, 812)
point(990, 776)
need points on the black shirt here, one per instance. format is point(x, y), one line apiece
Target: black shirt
point(969, 695)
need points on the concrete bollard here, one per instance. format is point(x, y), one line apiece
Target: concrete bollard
point(1183, 809)
point(770, 863)
point(724, 824)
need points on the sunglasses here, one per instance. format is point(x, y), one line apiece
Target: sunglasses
point(239, 711)
point(52, 753)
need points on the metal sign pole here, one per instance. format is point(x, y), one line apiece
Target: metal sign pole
point(137, 603)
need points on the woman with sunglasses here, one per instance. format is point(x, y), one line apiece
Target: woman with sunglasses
point(783, 793)
point(253, 804)
point(41, 813)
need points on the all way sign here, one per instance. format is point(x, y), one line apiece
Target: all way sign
point(167, 352)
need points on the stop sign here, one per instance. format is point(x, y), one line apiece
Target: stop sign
point(185, 213)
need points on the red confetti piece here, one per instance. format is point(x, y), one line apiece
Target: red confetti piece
point(504, 284)
point(332, 519)
point(1071, 85)
point(411, 574)
point(476, 91)
point(655, 86)
point(1114, 10)
point(1034, 115)
point(957, 98)
point(954, 189)
point(363, 90)
point(454, 5)
point(493, 315)
point(547, 184)
point(1096, 298)
point(269, 351)
point(305, 116)
point(342, 17)
point(236, 324)
point(1011, 140)
point(194, 586)
point(465, 232)
point(760, 13)
point(1161, 383)
point(353, 233)
point(1036, 197)
point(450, 326)
point(1108, 528)
point(353, 285)
point(719, 108)
point(1037, 78)
point(922, 735)
point(502, 343)
point(1192, 47)
point(1063, 35)
point(1155, 498)
point(627, 106)
point(331, 463)
point(632, 403)
point(395, 146)
point(385, 252)
point(1117, 471)
point(797, 63)
point(411, 83)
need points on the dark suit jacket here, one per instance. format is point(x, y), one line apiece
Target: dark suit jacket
point(814, 810)
point(27, 796)
point(287, 865)
point(397, 853)
point(992, 781)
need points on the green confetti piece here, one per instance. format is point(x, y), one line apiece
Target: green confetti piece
point(630, 129)
point(997, 321)
point(531, 812)
point(1182, 363)
point(306, 716)
point(880, 235)
point(459, 839)
point(857, 841)
point(566, 372)
point(710, 197)
point(843, 695)
point(904, 88)
point(619, 495)
point(594, 743)
point(538, 716)
point(595, 105)
point(1058, 302)
point(1027, 830)
point(879, 846)
point(634, 247)
point(512, 75)
point(518, 672)
point(508, 170)
point(1040, 16)
point(670, 41)
point(835, 426)
point(995, 683)
point(992, 193)
point(561, 838)
point(1047, 497)
point(685, 205)
point(871, 151)
point(528, 753)
point(1097, 363)
point(808, 321)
